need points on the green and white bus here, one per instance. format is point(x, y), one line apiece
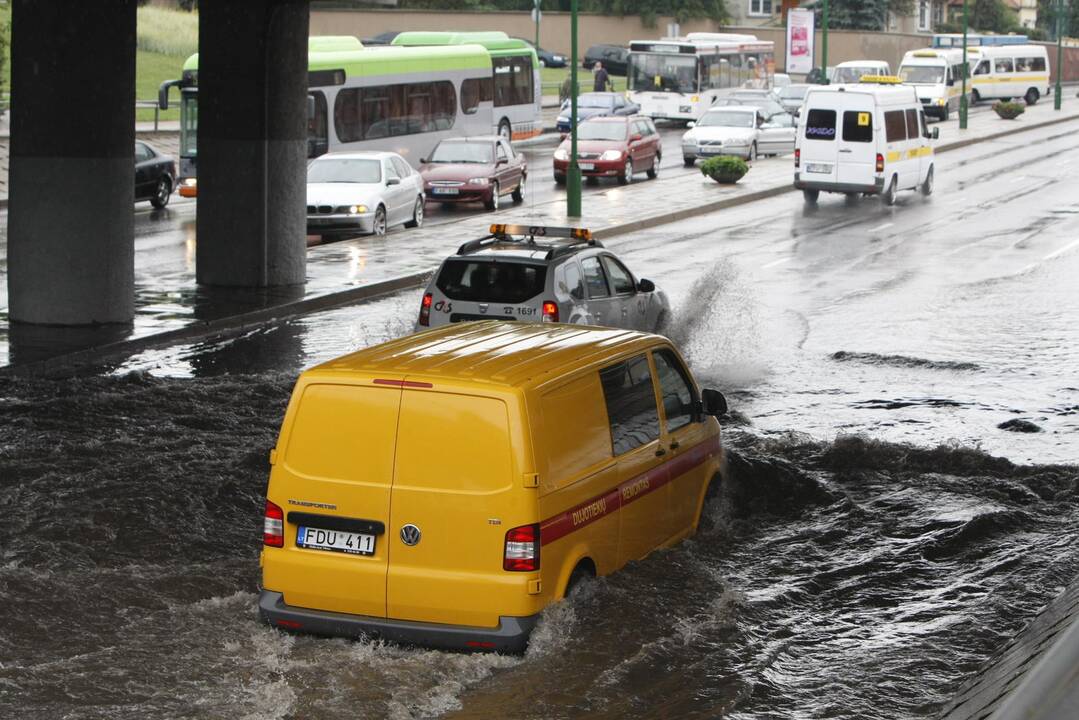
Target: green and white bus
point(518, 89)
point(399, 99)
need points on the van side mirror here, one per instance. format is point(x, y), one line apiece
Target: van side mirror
point(936, 133)
point(645, 285)
point(713, 403)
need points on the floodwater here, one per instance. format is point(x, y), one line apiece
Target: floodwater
point(877, 537)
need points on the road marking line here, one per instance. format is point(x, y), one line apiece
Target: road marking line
point(1018, 178)
point(1061, 251)
point(775, 262)
point(885, 226)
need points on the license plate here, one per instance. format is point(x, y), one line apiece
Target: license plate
point(445, 191)
point(335, 541)
point(587, 166)
point(818, 168)
point(659, 97)
point(710, 151)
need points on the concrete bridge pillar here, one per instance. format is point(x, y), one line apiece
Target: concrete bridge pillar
point(71, 178)
point(252, 142)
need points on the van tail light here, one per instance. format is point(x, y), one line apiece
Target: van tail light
point(273, 526)
point(880, 163)
point(522, 549)
point(425, 310)
point(797, 157)
point(550, 311)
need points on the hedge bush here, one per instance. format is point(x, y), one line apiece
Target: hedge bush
point(1008, 110)
point(724, 168)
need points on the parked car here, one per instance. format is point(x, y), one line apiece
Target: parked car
point(595, 104)
point(762, 99)
point(614, 58)
point(155, 175)
point(475, 169)
point(791, 97)
point(737, 130)
point(541, 274)
point(546, 57)
point(852, 71)
point(615, 147)
point(362, 192)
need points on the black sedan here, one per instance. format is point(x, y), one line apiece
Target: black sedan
point(613, 57)
point(546, 57)
point(155, 175)
point(595, 104)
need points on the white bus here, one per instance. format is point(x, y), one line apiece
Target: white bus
point(1007, 71)
point(937, 76)
point(399, 99)
point(515, 67)
point(680, 78)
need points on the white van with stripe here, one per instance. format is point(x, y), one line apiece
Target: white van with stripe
point(937, 75)
point(870, 138)
point(1003, 72)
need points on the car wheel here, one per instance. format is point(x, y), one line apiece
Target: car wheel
point(492, 204)
point(417, 214)
point(591, 180)
point(1032, 96)
point(379, 226)
point(688, 161)
point(752, 152)
point(560, 179)
point(662, 321)
point(654, 170)
point(162, 193)
point(927, 186)
point(892, 191)
point(505, 131)
point(519, 191)
point(627, 172)
point(580, 577)
point(944, 112)
point(811, 196)
point(975, 97)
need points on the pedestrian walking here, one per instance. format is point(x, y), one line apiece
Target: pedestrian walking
point(566, 89)
point(602, 80)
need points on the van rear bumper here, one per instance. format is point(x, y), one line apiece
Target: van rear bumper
point(511, 635)
point(876, 187)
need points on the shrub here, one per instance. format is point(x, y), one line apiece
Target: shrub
point(1008, 110)
point(725, 168)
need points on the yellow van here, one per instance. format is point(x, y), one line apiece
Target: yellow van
point(443, 488)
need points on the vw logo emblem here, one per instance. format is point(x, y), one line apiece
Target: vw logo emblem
point(410, 534)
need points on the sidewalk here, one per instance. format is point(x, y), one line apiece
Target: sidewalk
point(170, 306)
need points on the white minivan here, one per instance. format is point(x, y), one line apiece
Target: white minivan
point(869, 138)
point(1003, 72)
point(937, 76)
point(852, 71)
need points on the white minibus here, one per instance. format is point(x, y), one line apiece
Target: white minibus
point(937, 75)
point(1003, 72)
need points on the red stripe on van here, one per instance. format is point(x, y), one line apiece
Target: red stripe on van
point(596, 508)
point(403, 383)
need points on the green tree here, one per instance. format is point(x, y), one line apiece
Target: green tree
point(862, 14)
point(1047, 17)
point(993, 16)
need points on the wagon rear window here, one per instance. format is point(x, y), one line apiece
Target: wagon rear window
point(857, 126)
point(485, 281)
point(820, 125)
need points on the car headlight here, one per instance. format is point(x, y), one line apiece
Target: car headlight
point(561, 154)
point(611, 155)
point(557, 58)
point(562, 119)
point(357, 209)
point(477, 181)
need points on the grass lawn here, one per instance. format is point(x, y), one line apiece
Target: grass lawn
point(552, 80)
point(152, 69)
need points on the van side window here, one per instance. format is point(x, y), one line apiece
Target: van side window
point(820, 125)
point(895, 125)
point(631, 404)
point(1037, 64)
point(857, 126)
point(1003, 65)
point(983, 68)
point(674, 389)
point(912, 124)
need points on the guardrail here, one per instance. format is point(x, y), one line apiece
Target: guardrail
point(143, 104)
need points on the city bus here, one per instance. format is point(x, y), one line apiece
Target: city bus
point(679, 78)
point(955, 40)
point(515, 75)
point(399, 99)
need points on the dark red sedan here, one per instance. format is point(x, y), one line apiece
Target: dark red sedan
point(475, 169)
point(612, 147)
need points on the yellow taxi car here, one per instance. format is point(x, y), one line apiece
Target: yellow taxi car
point(443, 488)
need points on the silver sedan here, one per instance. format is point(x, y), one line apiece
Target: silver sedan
point(362, 192)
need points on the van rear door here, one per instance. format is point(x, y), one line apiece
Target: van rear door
point(333, 484)
point(454, 499)
point(857, 149)
point(818, 139)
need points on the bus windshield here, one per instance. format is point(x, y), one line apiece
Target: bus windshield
point(922, 74)
point(663, 72)
point(189, 124)
point(344, 170)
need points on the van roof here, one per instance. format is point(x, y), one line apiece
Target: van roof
point(493, 352)
point(884, 94)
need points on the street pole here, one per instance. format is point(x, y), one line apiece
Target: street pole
point(963, 97)
point(573, 179)
point(824, 44)
point(1058, 93)
point(536, 4)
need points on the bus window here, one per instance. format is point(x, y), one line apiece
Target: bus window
point(677, 73)
point(346, 116)
point(1003, 65)
point(470, 96)
point(983, 68)
point(189, 121)
point(513, 81)
point(317, 140)
point(376, 113)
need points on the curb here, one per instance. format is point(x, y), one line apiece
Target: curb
point(211, 329)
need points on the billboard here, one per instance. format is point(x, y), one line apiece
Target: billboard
point(799, 41)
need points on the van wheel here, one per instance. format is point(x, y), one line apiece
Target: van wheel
point(688, 161)
point(1032, 96)
point(560, 179)
point(811, 196)
point(893, 190)
point(927, 186)
point(944, 113)
point(581, 576)
point(975, 97)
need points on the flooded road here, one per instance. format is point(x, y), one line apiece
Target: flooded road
point(878, 536)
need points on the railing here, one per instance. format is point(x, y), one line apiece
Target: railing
point(143, 104)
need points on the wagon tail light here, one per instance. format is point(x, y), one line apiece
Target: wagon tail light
point(797, 157)
point(550, 311)
point(880, 163)
point(425, 310)
point(522, 549)
point(273, 526)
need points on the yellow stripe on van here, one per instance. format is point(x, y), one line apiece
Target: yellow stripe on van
point(986, 80)
point(893, 156)
point(918, 152)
